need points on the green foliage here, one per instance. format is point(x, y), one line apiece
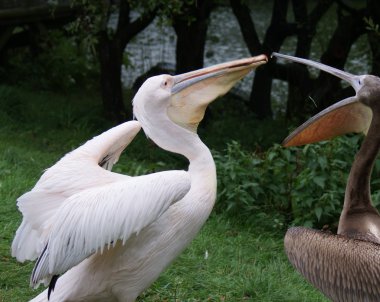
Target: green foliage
point(371, 26)
point(55, 63)
point(94, 17)
point(255, 186)
point(302, 186)
point(320, 180)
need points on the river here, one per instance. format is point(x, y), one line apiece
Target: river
point(224, 42)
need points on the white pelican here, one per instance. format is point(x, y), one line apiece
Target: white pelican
point(111, 235)
point(345, 267)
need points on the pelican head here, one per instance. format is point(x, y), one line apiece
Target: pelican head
point(369, 92)
point(168, 105)
point(353, 114)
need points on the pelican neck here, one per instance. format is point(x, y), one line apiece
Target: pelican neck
point(358, 190)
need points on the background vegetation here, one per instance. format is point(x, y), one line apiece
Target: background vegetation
point(61, 86)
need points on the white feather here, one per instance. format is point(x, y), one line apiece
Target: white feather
point(75, 172)
point(115, 210)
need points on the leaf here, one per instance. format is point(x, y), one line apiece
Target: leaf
point(309, 202)
point(318, 213)
point(308, 224)
point(322, 161)
point(256, 161)
point(319, 181)
point(230, 206)
point(271, 155)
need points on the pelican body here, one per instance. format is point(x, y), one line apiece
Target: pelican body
point(109, 235)
point(346, 266)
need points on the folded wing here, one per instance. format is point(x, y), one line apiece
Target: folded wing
point(95, 219)
point(78, 170)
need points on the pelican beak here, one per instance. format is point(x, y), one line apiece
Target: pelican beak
point(193, 91)
point(348, 115)
point(343, 117)
point(346, 76)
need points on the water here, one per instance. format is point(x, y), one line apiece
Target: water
point(157, 44)
point(224, 42)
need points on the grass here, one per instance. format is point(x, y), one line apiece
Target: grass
point(242, 264)
point(228, 261)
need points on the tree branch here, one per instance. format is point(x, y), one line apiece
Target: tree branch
point(138, 25)
point(319, 10)
point(305, 32)
point(306, 24)
point(123, 20)
point(247, 26)
point(105, 12)
point(295, 74)
point(374, 36)
point(279, 28)
point(346, 7)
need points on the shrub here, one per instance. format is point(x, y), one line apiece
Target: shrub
point(302, 185)
point(57, 62)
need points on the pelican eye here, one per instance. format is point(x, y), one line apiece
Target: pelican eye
point(166, 83)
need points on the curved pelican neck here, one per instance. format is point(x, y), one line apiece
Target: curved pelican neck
point(173, 138)
point(202, 164)
point(359, 219)
point(358, 192)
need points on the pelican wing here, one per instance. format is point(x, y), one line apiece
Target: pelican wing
point(95, 219)
point(78, 170)
point(343, 117)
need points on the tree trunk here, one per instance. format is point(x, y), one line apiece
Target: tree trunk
point(191, 35)
point(299, 104)
point(374, 42)
point(328, 89)
point(111, 50)
point(278, 30)
point(247, 26)
point(190, 45)
point(374, 36)
point(110, 57)
point(260, 99)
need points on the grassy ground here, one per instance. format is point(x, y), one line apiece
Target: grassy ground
point(228, 261)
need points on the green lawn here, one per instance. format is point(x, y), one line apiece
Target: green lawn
point(228, 261)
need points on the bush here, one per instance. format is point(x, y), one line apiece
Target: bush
point(57, 62)
point(301, 186)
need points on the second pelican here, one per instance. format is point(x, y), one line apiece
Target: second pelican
point(345, 267)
